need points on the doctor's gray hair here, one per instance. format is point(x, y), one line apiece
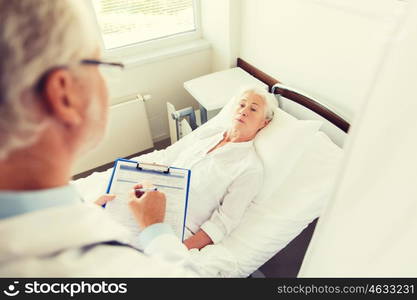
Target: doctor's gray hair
point(270, 101)
point(36, 36)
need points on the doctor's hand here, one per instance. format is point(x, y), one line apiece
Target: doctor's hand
point(149, 208)
point(104, 199)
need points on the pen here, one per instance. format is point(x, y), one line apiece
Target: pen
point(140, 192)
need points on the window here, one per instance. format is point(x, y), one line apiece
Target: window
point(127, 22)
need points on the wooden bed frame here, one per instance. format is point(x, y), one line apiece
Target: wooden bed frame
point(287, 262)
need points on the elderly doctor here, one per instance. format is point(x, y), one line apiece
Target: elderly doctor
point(227, 173)
point(53, 106)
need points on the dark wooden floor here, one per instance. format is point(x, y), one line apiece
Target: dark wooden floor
point(157, 146)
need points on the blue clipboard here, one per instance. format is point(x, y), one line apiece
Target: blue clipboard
point(134, 168)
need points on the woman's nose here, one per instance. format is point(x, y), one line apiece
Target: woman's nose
point(244, 112)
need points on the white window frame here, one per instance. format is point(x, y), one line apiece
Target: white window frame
point(141, 48)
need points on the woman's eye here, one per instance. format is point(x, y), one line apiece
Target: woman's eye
point(253, 109)
point(242, 105)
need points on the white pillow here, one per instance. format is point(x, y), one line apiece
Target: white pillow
point(271, 222)
point(279, 144)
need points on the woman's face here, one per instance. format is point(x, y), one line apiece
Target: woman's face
point(249, 115)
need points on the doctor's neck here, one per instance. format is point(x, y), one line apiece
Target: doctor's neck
point(42, 165)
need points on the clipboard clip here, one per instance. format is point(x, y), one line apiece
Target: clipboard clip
point(153, 167)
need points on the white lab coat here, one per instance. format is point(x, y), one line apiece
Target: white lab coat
point(65, 242)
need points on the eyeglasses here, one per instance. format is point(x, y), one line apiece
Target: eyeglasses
point(111, 71)
point(102, 63)
point(107, 72)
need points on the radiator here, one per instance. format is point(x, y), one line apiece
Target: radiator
point(127, 133)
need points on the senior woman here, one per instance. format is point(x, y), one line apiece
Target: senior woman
point(226, 172)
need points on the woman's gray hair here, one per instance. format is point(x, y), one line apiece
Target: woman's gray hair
point(270, 101)
point(36, 36)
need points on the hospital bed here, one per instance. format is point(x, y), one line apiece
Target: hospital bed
point(301, 164)
point(287, 261)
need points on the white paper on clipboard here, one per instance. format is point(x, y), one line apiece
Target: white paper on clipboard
point(174, 184)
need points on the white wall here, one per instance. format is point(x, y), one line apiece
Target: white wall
point(128, 131)
point(328, 48)
point(163, 79)
point(220, 21)
point(331, 51)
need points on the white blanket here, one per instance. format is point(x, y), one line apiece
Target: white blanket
point(270, 223)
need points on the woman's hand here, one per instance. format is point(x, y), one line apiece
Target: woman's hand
point(104, 199)
point(198, 240)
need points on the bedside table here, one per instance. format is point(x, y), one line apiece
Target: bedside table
point(214, 90)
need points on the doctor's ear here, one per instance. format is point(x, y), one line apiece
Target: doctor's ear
point(58, 90)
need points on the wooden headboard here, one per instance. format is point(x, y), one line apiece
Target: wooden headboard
point(277, 88)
